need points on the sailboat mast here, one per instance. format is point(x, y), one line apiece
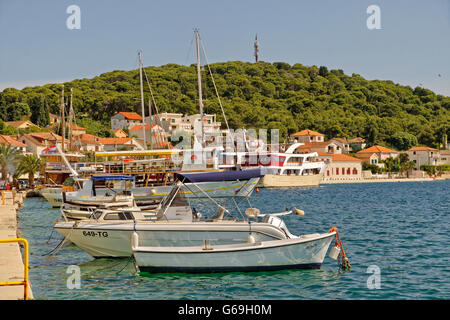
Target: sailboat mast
point(63, 122)
point(199, 87)
point(70, 121)
point(142, 98)
point(150, 122)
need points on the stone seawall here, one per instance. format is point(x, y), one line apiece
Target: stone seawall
point(11, 261)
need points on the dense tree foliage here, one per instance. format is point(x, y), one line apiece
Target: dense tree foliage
point(263, 95)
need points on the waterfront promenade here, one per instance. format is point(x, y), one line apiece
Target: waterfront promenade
point(11, 261)
point(375, 180)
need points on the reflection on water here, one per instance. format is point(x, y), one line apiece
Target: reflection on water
point(400, 227)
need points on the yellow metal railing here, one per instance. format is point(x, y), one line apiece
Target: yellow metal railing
point(25, 282)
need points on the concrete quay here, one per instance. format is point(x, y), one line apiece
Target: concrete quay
point(11, 261)
point(378, 180)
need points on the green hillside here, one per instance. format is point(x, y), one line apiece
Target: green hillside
point(256, 95)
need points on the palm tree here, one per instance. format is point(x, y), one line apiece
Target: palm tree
point(407, 167)
point(30, 164)
point(8, 158)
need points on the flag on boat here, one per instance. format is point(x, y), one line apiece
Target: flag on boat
point(50, 150)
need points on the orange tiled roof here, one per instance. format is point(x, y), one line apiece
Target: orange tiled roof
point(17, 124)
point(11, 141)
point(422, 148)
point(118, 132)
point(45, 135)
point(306, 132)
point(139, 127)
point(340, 140)
point(131, 115)
point(344, 157)
point(357, 140)
point(377, 149)
point(87, 138)
point(42, 138)
point(324, 154)
point(113, 140)
point(365, 156)
point(77, 127)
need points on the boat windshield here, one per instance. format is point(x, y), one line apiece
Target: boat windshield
point(174, 198)
point(119, 216)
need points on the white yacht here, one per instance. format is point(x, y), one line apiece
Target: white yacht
point(282, 169)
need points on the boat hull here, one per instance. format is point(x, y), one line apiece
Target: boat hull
point(52, 195)
point(262, 256)
point(114, 239)
point(286, 181)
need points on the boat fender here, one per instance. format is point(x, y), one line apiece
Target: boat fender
point(338, 253)
point(134, 240)
point(299, 212)
point(251, 239)
point(334, 252)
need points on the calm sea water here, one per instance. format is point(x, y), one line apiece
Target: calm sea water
point(402, 228)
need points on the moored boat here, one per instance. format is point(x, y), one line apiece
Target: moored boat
point(282, 169)
point(304, 252)
point(175, 223)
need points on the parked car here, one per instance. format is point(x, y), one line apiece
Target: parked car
point(24, 184)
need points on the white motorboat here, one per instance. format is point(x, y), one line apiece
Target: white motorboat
point(108, 232)
point(299, 252)
point(305, 252)
point(218, 185)
point(78, 205)
point(174, 223)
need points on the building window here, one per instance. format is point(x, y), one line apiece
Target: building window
point(414, 152)
point(348, 170)
point(355, 171)
point(328, 173)
point(343, 171)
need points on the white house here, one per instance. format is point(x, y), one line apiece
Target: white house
point(12, 141)
point(157, 134)
point(306, 136)
point(119, 144)
point(37, 141)
point(87, 142)
point(125, 120)
point(423, 156)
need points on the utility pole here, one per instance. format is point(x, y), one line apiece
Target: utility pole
point(142, 98)
point(200, 87)
point(63, 122)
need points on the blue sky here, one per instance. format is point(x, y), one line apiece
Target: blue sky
point(412, 47)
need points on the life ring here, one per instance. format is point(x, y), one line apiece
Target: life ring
point(194, 157)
